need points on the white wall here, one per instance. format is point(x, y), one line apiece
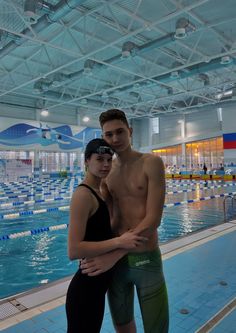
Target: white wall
point(198, 126)
point(141, 132)
point(229, 119)
point(202, 124)
point(170, 130)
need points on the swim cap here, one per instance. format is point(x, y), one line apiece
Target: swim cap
point(97, 146)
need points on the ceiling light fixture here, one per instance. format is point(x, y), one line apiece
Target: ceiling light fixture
point(84, 101)
point(44, 112)
point(183, 26)
point(104, 95)
point(88, 66)
point(41, 86)
point(136, 85)
point(180, 33)
point(37, 89)
point(205, 78)
point(128, 49)
point(30, 7)
point(56, 81)
point(174, 75)
point(86, 119)
point(226, 60)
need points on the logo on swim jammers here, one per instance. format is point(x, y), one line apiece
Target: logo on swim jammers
point(143, 262)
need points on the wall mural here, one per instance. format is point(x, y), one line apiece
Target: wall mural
point(23, 134)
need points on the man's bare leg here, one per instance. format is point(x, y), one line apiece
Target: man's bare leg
point(128, 328)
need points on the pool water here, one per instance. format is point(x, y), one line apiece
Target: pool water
point(36, 260)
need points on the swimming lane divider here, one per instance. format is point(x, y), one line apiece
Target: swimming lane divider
point(34, 232)
point(37, 190)
point(31, 182)
point(65, 208)
point(36, 185)
point(17, 194)
point(26, 193)
point(33, 212)
point(29, 202)
point(31, 195)
point(65, 226)
point(199, 188)
point(199, 199)
point(212, 186)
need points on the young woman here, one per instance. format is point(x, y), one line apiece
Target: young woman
point(90, 235)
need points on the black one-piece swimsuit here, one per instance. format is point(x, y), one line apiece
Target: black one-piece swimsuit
point(85, 300)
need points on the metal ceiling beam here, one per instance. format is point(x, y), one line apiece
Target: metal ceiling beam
point(123, 38)
point(195, 69)
point(58, 11)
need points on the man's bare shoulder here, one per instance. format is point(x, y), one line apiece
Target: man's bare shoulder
point(151, 159)
point(152, 162)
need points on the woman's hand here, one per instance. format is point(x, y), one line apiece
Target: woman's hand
point(100, 264)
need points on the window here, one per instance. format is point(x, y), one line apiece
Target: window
point(155, 125)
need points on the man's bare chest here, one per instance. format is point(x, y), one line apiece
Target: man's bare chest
point(127, 182)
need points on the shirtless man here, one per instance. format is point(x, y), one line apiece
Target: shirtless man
point(136, 189)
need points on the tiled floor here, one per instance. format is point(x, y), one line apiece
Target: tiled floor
point(200, 279)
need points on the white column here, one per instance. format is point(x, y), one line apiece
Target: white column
point(37, 167)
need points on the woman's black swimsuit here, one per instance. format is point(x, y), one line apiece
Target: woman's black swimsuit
point(85, 301)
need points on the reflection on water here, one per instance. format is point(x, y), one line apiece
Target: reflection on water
point(180, 220)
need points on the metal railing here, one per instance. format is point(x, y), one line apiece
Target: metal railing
point(230, 209)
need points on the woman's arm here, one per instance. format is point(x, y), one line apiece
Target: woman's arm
point(83, 204)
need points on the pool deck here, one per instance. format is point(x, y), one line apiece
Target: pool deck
point(200, 272)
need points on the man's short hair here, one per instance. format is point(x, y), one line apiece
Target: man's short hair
point(113, 114)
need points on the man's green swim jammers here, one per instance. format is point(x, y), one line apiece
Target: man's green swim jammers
point(144, 271)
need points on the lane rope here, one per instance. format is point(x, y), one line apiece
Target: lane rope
point(65, 226)
point(199, 199)
point(34, 232)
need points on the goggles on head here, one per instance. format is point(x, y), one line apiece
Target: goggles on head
point(104, 150)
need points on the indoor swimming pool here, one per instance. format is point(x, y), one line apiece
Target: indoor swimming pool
point(35, 260)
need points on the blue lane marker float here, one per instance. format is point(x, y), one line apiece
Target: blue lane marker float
point(213, 186)
point(199, 199)
point(29, 202)
point(65, 226)
point(32, 212)
point(200, 188)
point(32, 186)
point(67, 190)
point(65, 208)
point(37, 191)
point(47, 181)
point(33, 232)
